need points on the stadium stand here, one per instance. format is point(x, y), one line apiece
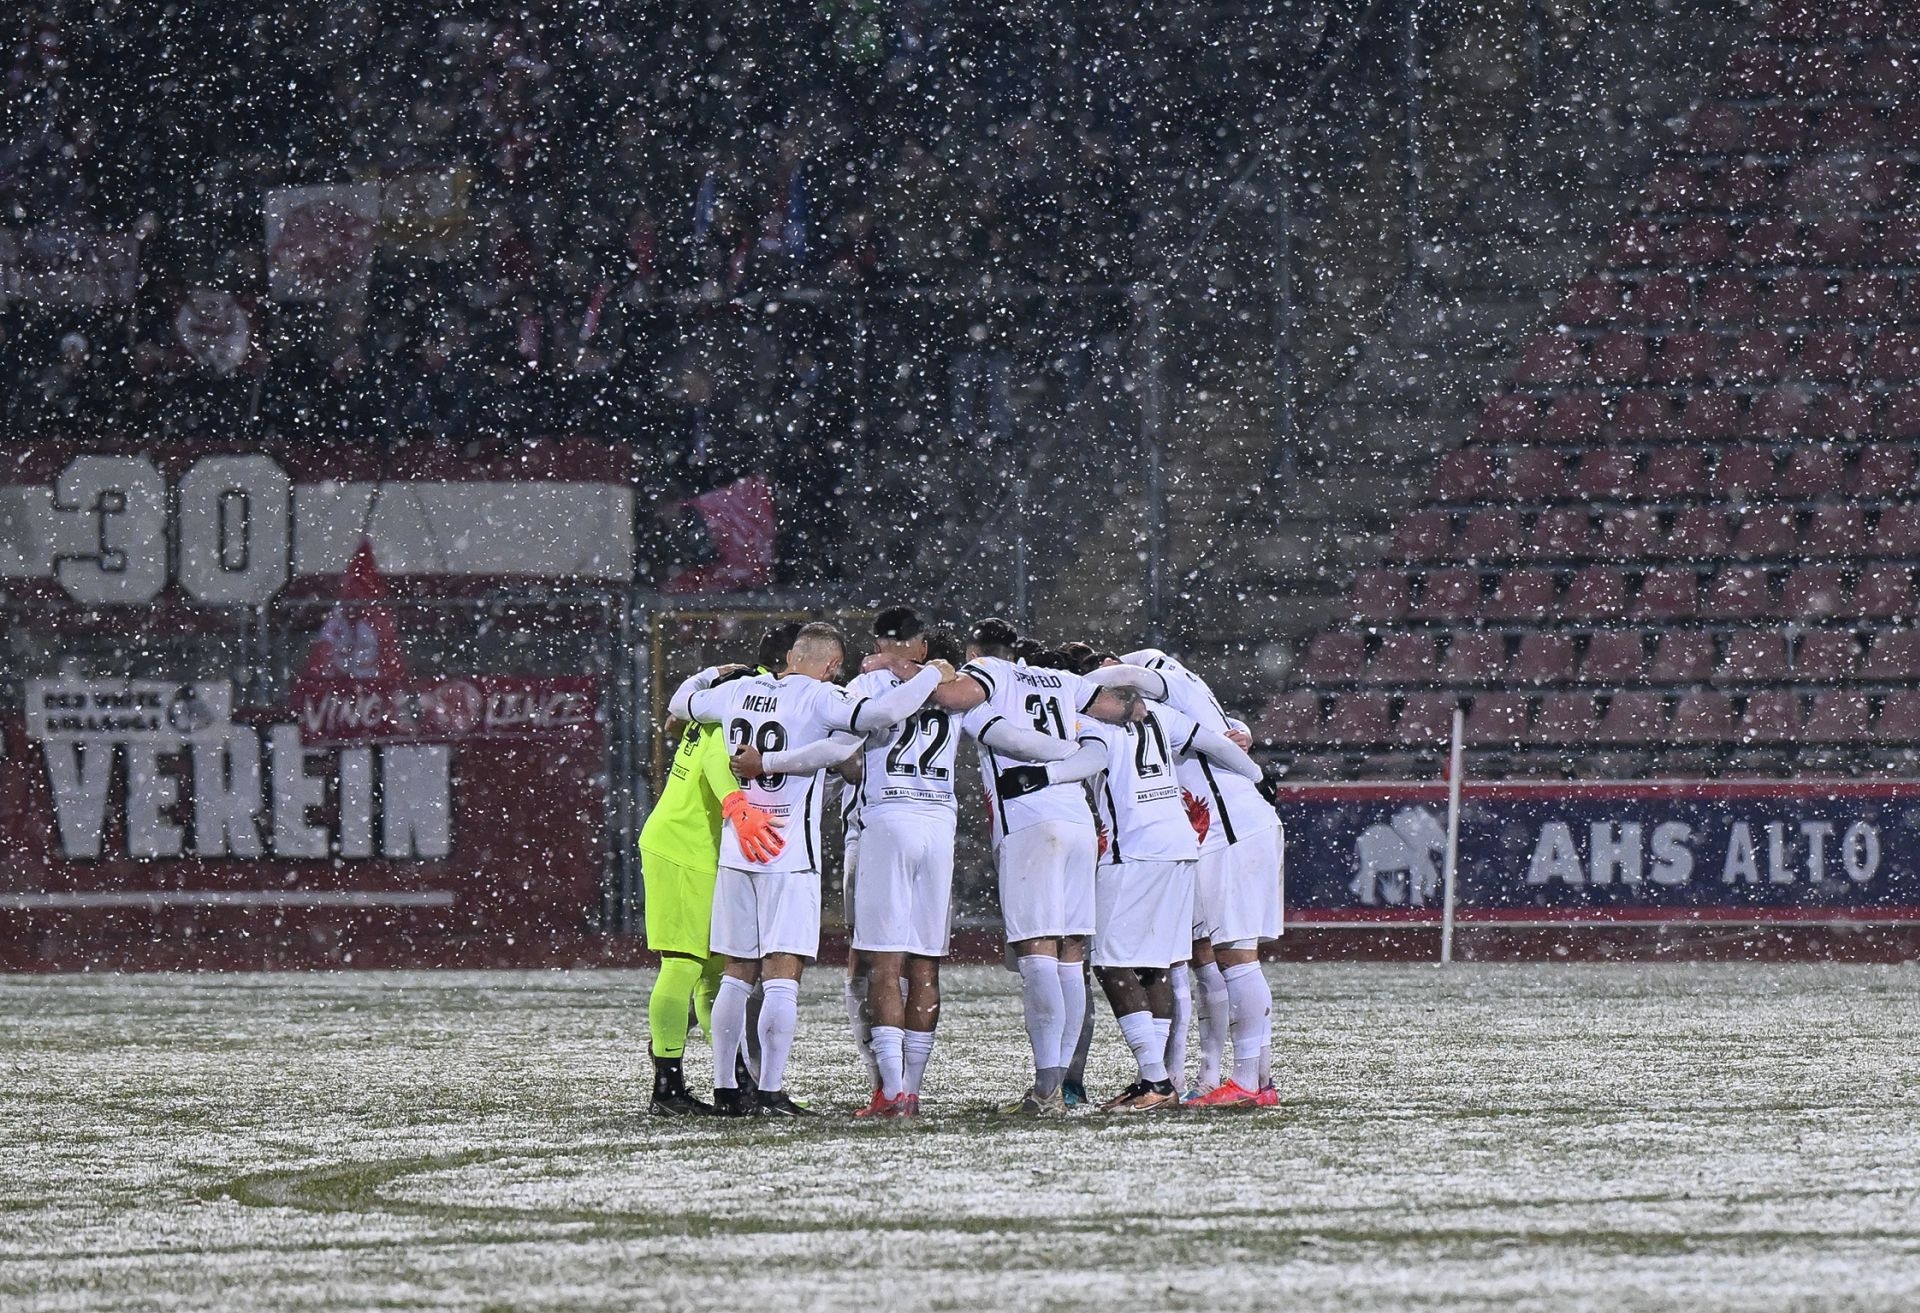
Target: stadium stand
point(1681, 540)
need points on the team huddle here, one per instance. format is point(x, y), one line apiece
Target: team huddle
point(1131, 844)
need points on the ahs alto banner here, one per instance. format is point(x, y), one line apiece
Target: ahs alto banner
point(1567, 853)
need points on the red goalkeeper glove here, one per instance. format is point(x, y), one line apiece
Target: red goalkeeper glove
point(1199, 816)
point(757, 830)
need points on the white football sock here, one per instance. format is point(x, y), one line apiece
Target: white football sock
point(889, 1055)
point(1266, 1059)
point(1210, 1003)
point(1182, 980)
point(1073, 1010)
point(917, 1047)
point(779, 1019)
point(1149, 1047)
point(1251, 1001)
point(1041, 1000)
point(856, 998)
point(729, 1028)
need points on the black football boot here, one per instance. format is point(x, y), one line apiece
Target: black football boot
point(670, 1096)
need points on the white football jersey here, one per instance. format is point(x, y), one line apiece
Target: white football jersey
point(772, 714)
point(1236, 803)
point(1139, 798)
point(1049, 701)
point(912, 764)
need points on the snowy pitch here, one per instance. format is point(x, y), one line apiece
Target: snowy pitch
point(1573, 1137)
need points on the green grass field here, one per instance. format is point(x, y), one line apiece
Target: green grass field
point(1537, 1137)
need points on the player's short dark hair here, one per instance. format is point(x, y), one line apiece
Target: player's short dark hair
point(994, 636)
point(943, 644)
point(776, 643)
point(1051, 658)
point(819, 631)
point(898, 622)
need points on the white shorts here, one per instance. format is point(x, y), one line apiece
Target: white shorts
point(1209, 881)
point(1145, 914)
point(760, 912)
point(903, 901)
point(1244, 904)
point(1046, 880)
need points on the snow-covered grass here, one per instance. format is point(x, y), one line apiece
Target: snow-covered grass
point(1543, 1137)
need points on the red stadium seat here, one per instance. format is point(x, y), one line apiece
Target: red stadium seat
point(1777, 130)
point(1841, 241)
point(1884, 72)
point(1846, 127)
point(1768, 534)
point(1870, 298)
point(1565, 718)
point(1749, 186)
point(1795, 20)
point(1744, 472)
point(1896, 532)
point(1561, 532)
point(1686, 358)
point(1533, 474)
point(1740, 592)
point(1770, 243)
point(1668, 593)
point(1771, 716)
point(1716, 130)
point(1358, 719)
point(1592, 302)
point(1728, 299)
point(1425, 718)
point(1885, 592)
point(1901, 419)
point(1617, 358)
point(1406, 658)
point(1702, 716)
point(1544, 658)
point(1672, 473)
point(1641, 415)
point(1839, 716)
point(1698, 533)
point(1896, 356)
point(1817, 72)
point(1489, 536)
point(1633, 717)
point(1465, 475)
point(1497, 719)
point(1707, 416)
point(1841, 415)
point(1662, 299)
point(1474, 656)
point(1449, 595)
point(1859, 20)
point(1900, 235)
point(1781, 413)
point(1796, 297)
point(1752, 656)
point(1424, 535)
point(1883, 470)
point(1508, 418)
point(1894, 655)
point(1829, 356)
point(1755, 357)
point(1576, 417)
point(1678, 186)
point(1597, 592)
point(1834, 531)
point(1605, 475)
point(1379, 595)
point(1812, 473)
point(1898, 724)
point(1335, 658)
point(1551, 358)
point(1615, 656)
point(1826, 656)
point(1700, 243)
point(1753, 72)
point(1634, 244)
point(1292, 719)
point(1814, 592)
point(1684, 656)
point(1522, 595)
point(1632, 535)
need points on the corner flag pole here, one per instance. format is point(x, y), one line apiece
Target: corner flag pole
point(1453, 835)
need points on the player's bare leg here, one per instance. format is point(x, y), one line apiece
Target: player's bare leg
point(1142, 1002)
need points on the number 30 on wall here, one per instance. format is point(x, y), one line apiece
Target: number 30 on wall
point(232, 525)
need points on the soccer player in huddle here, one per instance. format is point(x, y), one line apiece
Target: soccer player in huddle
point(766, 913)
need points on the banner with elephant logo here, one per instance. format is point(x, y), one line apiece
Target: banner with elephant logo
point(1567, 852)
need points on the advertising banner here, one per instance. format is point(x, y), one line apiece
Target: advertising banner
point(1566, 853)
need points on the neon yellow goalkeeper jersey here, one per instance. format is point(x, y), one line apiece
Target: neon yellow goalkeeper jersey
point(684, 825)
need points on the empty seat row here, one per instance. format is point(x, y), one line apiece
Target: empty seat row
point(1630, 716)
point(1735, 300)
point(1819, 185)
point(1719, 128)
point(1693, 533)
point(1604, 593)
point(1771, 242)
point(1818, 72)
point(1703, 414)
point(1754, 355)
point(1842, 20)
point(1872, 471)
point(1612, 657)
